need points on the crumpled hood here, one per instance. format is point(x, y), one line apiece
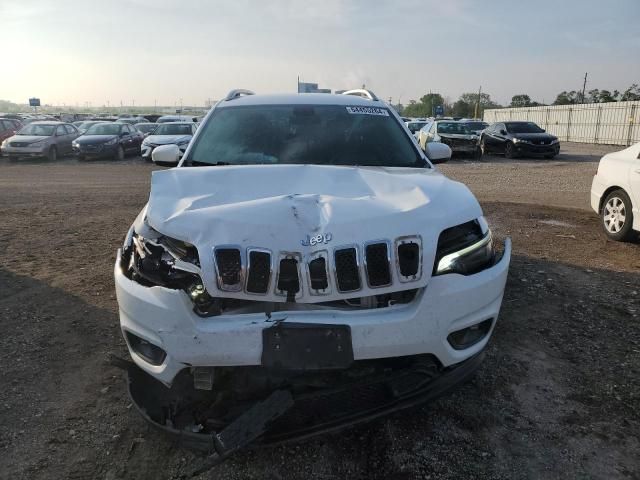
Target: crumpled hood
point(276, 207)
point(167, 139)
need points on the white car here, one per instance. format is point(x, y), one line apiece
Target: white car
point(305, 261)
point(171, 133)
point(615, 193)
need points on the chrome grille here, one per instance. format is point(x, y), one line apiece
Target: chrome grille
point(375, 264)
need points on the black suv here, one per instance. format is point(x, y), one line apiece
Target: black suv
point(518, 138)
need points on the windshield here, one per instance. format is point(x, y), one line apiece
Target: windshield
point(476, 125)
point(85, 125)
point(104, 129)
point(523, 127)
point(39, 130)
point(453, 128)
point(146, 127)
point(304, 134)
point(173, 129)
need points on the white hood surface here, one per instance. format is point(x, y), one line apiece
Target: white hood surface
point(278, 206)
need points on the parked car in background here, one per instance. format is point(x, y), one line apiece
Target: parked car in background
point(146, 128)
point(415, 126)
point(175, 118)
point(476, 126)
point(9, 127)
point(615, 193)
point(131, 120)
point(84, 126)
point(514, 139)
point(452, 133)
point(41, 139)
point(108, 139)
point(174, 133)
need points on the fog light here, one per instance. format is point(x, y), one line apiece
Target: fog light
point(467, 337)
point(151, 353)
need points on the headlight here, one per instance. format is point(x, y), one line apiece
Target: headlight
point(75, 144)
point(465, 249)
point(182, 143)
point(113, 141)
point(145, 142)
point(554, 141)
point(520, 140)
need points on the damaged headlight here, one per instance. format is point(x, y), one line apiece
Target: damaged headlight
point(465, 249)
point(160, 260)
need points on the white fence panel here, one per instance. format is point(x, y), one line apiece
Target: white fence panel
point(615, 123)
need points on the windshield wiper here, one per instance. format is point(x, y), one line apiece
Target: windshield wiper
point(196, 163)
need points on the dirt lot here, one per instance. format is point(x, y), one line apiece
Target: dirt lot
point(557, 397)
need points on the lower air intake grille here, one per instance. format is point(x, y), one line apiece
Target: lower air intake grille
point(347, 275)
point(229, 264)
point(259, 272)
point(408, 259)
point(377, 258)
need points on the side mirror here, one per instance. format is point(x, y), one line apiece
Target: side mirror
point(437, 152)
point(543, 130)
point(166, 155)
point(124, 134)
point(503, 132)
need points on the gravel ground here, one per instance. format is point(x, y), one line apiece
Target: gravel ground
point(557, 397)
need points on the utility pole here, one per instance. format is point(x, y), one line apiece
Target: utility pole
point(584, 85)
point(475, 112)
point(155, 106)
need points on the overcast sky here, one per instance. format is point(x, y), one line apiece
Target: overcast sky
point(72, 52)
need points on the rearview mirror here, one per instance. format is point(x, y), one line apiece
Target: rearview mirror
point(166, 155)
point(437, 152)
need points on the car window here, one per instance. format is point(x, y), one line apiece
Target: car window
point(4, 125)
point(70, 129)
point(303, 134)
point(523, 127)
point(61, 130)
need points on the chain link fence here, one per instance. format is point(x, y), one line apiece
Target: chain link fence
point(615, 123)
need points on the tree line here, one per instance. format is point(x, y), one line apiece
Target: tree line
point(469, 105)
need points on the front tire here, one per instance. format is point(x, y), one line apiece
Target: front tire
point(52, 154)
point(509, 150)
point(120, 153)
point(617, 217)
point(483, 147)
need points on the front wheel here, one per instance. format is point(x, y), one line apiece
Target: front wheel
point(483, 147)
point(509, 150)
point(617, 217)
point(120, 153)
point(52, 155)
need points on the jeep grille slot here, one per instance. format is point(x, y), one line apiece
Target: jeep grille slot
point(259, 272)
point(409, 259)
point(229, 265)
point(288, 280)
point(347, 269)
point(376, 257)
point(318, 274)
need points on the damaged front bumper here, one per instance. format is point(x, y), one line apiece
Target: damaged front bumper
point(207, 422)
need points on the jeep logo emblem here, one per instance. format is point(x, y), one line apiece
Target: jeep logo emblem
point(316, 240)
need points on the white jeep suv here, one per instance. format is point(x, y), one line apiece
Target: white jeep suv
point(307, 263)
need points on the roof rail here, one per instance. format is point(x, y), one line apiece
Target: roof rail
point(233, 94)
point(361, 92)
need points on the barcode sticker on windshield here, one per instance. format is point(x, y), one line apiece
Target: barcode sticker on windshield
point(368, 111)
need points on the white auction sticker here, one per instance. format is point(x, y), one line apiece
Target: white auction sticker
point(368, 111)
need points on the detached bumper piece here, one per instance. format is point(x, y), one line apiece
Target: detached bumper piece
point(293, 407)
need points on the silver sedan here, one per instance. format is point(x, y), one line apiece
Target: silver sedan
point(41, 139)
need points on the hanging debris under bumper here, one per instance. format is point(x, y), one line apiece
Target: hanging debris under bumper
point(254, 405)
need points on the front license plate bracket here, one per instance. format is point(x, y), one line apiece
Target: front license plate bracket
point(307, 346)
